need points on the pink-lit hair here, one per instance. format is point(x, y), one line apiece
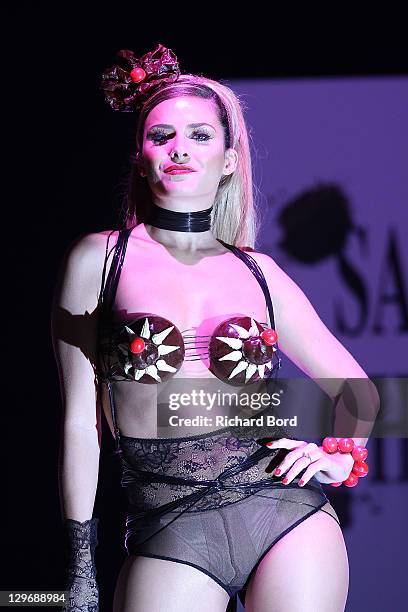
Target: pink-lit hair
point(234, 216)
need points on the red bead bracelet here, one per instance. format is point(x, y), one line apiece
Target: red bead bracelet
point(359, 454)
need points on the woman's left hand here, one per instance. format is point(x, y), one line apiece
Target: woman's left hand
point(325, 467)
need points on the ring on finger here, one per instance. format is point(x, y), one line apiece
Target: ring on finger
point(286, 479)
point(308, 456)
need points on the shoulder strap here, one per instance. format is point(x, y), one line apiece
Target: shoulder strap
point(102, 289)
point(257, 272)
point(109, 288)
point(108, 292)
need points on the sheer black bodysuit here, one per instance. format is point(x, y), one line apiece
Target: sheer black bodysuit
point(203, 500)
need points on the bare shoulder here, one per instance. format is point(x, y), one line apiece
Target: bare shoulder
point(280, 284)
point(88, 251)
point(303, 336)
point(81, 269)
point(92, 244)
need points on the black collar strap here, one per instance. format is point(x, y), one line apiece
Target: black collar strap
point(198, 221)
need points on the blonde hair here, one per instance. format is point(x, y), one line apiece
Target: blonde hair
point(234, 217)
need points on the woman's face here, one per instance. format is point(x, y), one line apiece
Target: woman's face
point(185, 132)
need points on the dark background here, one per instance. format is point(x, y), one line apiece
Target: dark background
point(67, 158)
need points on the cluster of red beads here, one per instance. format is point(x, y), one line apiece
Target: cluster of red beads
point(359, 454)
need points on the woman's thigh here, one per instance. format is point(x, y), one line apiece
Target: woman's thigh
point(307, 569)
point(156, 585)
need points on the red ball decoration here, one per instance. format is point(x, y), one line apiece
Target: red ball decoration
point(329, 445)
point(351, 481)
point(360, 469)
point(137, 345)
point(345, 445)
point(360, 453)
point(269, 336)
point(137, 75)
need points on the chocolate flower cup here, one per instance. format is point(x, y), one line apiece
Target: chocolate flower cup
point(238, 354)
point(157, 357)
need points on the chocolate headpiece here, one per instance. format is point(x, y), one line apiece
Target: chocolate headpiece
point(130, 82)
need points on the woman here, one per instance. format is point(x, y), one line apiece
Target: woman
point(207, 518)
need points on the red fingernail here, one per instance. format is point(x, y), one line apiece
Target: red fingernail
point(285, 480)
point(277, 471)
point(301, 483)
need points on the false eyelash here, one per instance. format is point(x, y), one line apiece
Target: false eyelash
point(165, 135)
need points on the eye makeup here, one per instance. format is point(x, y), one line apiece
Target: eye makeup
point(158, 135)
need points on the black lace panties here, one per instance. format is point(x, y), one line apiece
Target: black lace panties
point(210, 501)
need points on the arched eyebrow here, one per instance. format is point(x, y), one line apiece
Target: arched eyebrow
point(168, 126)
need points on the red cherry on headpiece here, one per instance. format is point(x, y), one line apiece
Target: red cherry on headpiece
point(137, 345)
point(269, 336)
point(137, 75)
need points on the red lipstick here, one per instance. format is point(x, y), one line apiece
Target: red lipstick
point(178, 169)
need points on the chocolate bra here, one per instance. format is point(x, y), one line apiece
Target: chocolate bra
point(150, 349)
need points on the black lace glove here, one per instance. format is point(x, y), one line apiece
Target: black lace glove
point(82, 539)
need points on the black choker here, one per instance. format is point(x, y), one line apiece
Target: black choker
point(199, 221)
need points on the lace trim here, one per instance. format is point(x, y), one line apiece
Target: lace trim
point(195, 474)
point(83, 594)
